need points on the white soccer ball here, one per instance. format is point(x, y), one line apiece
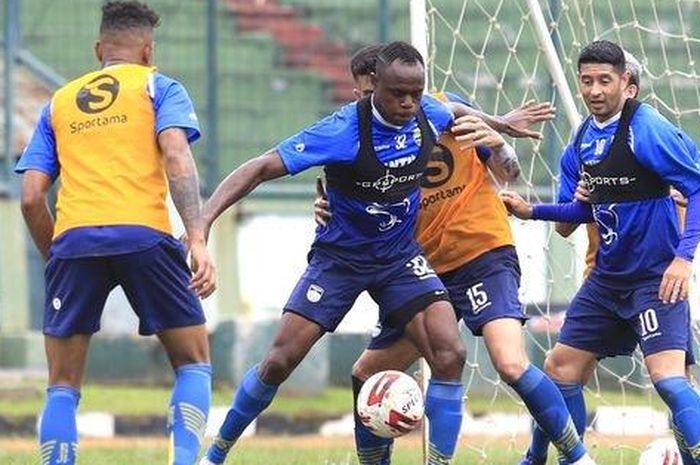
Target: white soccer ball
point(390, 404)
point(657, 451)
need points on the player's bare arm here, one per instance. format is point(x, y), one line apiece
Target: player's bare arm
point(241, 182)
point(184, 189)
point(474, 131)
point(322, 208)
point(515, 123)
point(35, 209)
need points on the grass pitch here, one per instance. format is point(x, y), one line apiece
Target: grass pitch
point(315, 450)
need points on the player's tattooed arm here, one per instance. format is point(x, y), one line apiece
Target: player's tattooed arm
point(184, 189)
point(515, 123)
point(504, 164)
point(182, 180)
point(241, 182)
point(35, 186)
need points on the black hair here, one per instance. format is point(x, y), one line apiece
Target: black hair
point(603, 52)
point(398, 51)
point(364, 62)
point(122, 15)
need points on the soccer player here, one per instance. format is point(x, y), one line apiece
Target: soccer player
point(119, 139)
point(374, 153)
point(464, 229)
point(628, 155)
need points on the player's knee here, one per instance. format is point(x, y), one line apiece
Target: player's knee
point(448, 363)
point(559, 369)
point(276, 367)
point(510, 370)
point(360, 370)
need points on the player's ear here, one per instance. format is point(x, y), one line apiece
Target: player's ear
point(356, 92)
point(98, 50)
point(148, 52)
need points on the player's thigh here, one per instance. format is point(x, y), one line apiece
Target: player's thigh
point(505, 342)
point(66, 357)
point(76, 291)
point(398, 355)
point(658, 326)
point(593, 325)
point(663, 331)
point(434, 331)
point(156, 282)
point(326, 291)
point(486, 289)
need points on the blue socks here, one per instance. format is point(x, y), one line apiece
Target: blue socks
point(189, 409)
point(58, 435)
point(576, 406)
point(684, 403)
point(547, 407)
point(253, 396)
point(443, 407)
point(371, 449)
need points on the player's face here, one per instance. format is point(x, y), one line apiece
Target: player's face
point(363, 86)
point(603, 89)
point(398, 90)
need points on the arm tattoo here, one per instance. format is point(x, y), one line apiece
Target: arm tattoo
point(184, 189)
point(507, 160)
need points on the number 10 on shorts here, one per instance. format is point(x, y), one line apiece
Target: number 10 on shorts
point(478, 298)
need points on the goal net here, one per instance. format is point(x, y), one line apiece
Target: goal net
point(501, 53)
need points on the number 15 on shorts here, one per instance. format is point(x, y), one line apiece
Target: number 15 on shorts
point(478, 298)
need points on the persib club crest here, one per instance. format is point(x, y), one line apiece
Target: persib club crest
point(314, 293)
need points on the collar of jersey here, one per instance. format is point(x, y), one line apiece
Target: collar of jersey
point(607, 122)
point(380, 118)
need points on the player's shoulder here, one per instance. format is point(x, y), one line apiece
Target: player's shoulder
point(431, 103)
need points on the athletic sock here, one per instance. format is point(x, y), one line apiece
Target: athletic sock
point(58, 433)
point(684, 403)
point(189, 409)
point(253, 396)
point(443, 407)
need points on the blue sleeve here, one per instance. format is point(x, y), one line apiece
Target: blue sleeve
point(568, 212)
point(452, 97)
point(40, 154)
point(334, 139)
point(438, 114)
point(173, 107)
point(568, 174)
point(691, 235)
point(666, 150)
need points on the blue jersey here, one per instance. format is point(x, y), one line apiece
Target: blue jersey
point(381, 231)
point(173, 108)
point(637, 239)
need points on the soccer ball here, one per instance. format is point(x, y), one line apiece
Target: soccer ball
point(663, 451)
point(390, 404)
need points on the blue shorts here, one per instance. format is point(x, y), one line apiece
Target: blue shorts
point(610, 322)
point(329, 287)
point(481, 291)
point(155, 281)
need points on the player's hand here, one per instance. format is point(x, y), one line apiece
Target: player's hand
point(472, 131)
point(516, 205)
point(674, 284)
point(582, 193)
point(518, 121)
point(679, 198)
point(322, 211)
point(203, 280)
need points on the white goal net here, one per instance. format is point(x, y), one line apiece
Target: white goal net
point(490, 52)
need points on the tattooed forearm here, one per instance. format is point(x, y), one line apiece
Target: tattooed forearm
point(184, 189)
point(504, 164)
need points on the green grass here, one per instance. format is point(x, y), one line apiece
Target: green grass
point(28, 400)
point(305, 451)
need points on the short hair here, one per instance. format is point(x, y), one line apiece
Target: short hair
point(634, 67)
point(121, 15)
point(603, 52)
point(364, 62)
point(398, 51)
